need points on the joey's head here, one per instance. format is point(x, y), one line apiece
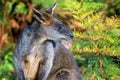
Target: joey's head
point(53, 27)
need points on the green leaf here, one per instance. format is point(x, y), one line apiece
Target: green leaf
point(21, 8)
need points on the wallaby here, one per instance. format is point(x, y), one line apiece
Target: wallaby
point(39, 46)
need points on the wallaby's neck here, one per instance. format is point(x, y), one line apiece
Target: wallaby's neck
point(39, 30)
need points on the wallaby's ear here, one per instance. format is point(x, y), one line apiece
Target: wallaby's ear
point(51, 9)
point(43, 17)
point(38, 15)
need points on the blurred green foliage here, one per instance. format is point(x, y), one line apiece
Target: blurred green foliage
point(96, 49)
point(6, 63)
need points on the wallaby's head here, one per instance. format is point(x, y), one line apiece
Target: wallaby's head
point(54, 28)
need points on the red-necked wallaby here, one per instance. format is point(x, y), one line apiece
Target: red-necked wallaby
point(39, 55)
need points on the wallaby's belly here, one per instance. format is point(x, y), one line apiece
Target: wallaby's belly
point(32, 64)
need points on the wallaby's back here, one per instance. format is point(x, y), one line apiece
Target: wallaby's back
point(64, 65)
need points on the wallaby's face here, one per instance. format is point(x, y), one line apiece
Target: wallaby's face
point(54, 28)
point(57, 30)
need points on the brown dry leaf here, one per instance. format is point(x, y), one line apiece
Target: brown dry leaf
point(13, 24)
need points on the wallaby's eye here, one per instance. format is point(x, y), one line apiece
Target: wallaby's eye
point(60, 27)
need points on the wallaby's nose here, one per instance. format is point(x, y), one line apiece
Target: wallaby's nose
point(71, 35)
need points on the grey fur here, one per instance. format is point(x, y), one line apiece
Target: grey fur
point(29, 38)
point(54, 33)
point(64, 65)
point(49, 54)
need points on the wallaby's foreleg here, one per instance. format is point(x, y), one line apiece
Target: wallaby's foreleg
point(18, 67)
point(49, 55)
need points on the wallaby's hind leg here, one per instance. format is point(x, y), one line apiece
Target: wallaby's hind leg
point(63, 75)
